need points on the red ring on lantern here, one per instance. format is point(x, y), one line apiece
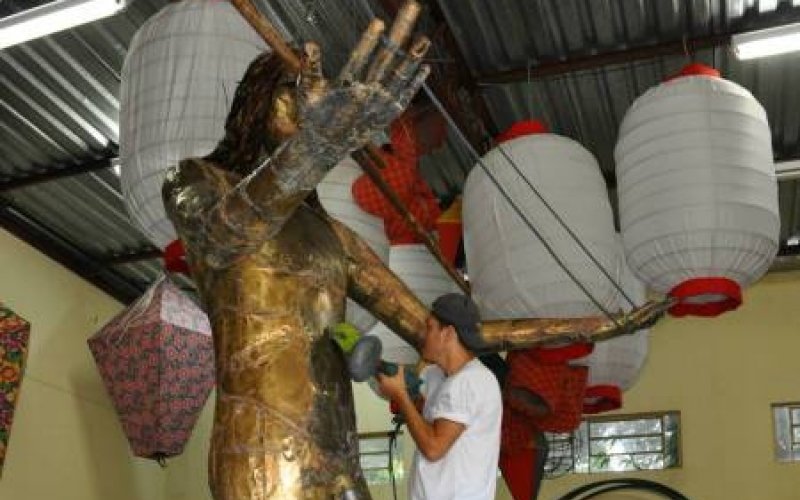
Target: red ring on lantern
point(601, 398)
point(684, 292)
point(695, 69)
point(174, 258)
point(521, 129)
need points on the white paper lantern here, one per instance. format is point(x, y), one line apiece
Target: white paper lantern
point(512, 274)
point(178, 81)
point(619, 361)
point(423, 274)
point(697, 191)
point(336, 195)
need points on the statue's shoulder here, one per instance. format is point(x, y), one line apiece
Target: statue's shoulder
point(198, 175)
point(192, 171)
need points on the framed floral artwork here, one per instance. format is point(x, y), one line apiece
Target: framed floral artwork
point(14, 334)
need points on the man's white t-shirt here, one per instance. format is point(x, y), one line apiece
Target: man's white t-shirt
point(468, 471)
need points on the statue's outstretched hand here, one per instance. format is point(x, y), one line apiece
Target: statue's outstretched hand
point(373, 88)
point(646, 315)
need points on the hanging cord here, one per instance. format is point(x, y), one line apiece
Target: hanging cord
point(686, 52)
point(529, 86)
point(519, 212)
point(392, 444)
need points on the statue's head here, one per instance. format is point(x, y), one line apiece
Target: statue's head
point(263, 114)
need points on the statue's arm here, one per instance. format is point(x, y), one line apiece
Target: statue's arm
point(503, 335)
point(376, 288)
point(379, 290)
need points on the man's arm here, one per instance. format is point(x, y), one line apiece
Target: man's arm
point(433, 440)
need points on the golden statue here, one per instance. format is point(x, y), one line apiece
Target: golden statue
point(273, 272)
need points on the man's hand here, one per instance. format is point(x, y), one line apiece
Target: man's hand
point(393, 388)
point(373, 88)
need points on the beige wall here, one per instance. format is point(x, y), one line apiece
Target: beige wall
point(723, 374)
point(66, 442)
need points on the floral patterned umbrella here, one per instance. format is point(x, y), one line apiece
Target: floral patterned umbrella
point(14, 333)
point(156, 359)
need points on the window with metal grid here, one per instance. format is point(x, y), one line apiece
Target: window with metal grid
point(617, 443)
point(786, 417)
point(381, 457)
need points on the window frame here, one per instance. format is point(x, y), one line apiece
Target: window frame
point(794, 427)
point(581, 440)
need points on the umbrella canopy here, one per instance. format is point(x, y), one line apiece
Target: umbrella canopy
point(156, 359)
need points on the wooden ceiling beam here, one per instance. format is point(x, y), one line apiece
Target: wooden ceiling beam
point(56, 173)
point(35, 234)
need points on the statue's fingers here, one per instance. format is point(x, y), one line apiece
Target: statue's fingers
point(312, 81)
point(413, 87)
point(359, 56)
point(408, 67)
point(398, 35)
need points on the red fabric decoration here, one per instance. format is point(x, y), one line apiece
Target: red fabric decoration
point(521, 129)
point(449, 227)
point(729, 290)
point(559, 385)
point(156, 359)
point(175, 258)
point(401, 173)
point(518, 470)
point(695, 69)
point(601, 398)
point(562, 354)
point(517, 455)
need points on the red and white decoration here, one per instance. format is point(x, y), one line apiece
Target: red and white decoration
point(512, 274)
point(178, 81)
point(336, 195)
point(156, 358)
point(697, 190)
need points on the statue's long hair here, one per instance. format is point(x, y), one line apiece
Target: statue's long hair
point(246, 140)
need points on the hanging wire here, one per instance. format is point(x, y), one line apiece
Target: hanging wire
point(564, 225)
point(529, 87)
point(686, 51)
point(518, 210)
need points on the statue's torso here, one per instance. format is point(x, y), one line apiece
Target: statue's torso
point(284, 402)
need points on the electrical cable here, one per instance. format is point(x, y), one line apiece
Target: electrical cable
point(619, 484)
point(392, 443)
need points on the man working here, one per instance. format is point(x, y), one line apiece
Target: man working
point(458, 433)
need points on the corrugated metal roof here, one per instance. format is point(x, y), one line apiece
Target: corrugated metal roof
point(59, 106)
